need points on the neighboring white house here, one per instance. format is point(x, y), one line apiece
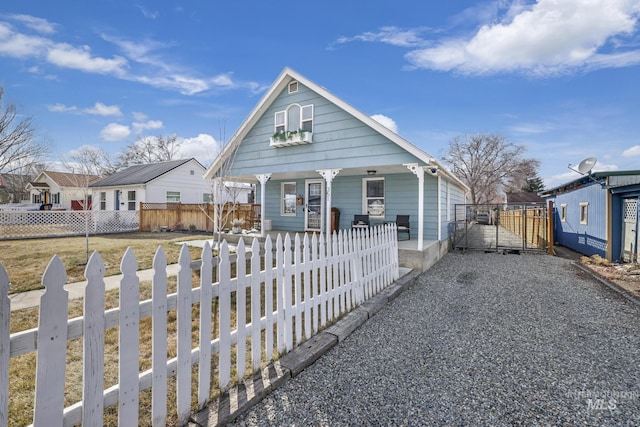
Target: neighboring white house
point(175, 181)
point(61, 188)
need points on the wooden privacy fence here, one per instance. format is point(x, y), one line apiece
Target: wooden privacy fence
point(530, 223)
point(284, 297)
point(182, 216)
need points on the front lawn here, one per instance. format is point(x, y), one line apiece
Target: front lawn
point(25, 260)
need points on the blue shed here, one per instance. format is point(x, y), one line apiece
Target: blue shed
point(597, 214)
point(308, 151)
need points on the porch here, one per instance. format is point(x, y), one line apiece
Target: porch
point(409, 256)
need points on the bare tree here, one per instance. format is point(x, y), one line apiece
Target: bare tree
point(82, 166)
point(14, 184)
point(92, 160)
point(487, 164)
point(149, 149)
point(18, 144)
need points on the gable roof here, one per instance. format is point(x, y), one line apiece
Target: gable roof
point(285, 77)
point(141, 174)
point(65, 179)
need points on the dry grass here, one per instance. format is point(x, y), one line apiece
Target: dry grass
point(26, 260)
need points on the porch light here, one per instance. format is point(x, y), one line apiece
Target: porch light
point(371, 172)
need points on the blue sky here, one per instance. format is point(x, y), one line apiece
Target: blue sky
point(561, 77)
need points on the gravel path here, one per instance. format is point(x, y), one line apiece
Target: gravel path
point(481, 339)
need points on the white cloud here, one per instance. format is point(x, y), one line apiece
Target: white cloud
point(389, 35)
point(101, 109)
point(140, 117)
point(203, 148)
point(632, 152)
point(21, 45)
point(545, 38)
point(37, 24)
point(386, 122)
point(79, 58)
point(138, 127)
point(61, 108)
point(115, 132)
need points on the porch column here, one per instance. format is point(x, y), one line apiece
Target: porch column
point(328, 175)
point(419, 172)
point(263, 178)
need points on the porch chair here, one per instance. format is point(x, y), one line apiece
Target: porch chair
point(360, 221)
point(402, 225)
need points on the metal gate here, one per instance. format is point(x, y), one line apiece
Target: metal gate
point(501, 227)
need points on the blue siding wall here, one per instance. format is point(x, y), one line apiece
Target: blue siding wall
point(589, 239)
point(451, 195)
point(400, 199)
point(336, 136)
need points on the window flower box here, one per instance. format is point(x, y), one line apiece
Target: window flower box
point(289, 138)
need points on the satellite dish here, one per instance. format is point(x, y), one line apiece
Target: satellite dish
point(586, 165)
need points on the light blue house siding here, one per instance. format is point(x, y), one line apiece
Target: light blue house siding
point(400, 199)
point(450, 196)
point(337, 136)
point(590, 238)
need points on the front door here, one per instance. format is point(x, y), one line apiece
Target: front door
point(629, 222)
point(314, 196)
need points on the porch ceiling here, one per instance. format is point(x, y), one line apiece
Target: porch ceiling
point(356, 171)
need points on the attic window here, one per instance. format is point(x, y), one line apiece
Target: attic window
point(191, 172)
point(293, 87)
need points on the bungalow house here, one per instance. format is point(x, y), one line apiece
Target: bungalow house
point(598, 214)
point(62, 190)
point(311, 155)
point(175, 181)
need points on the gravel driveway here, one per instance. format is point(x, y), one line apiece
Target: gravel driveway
point(481, 339)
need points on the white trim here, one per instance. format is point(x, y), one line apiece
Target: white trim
point(282, 194)
point(563, 212)
point(584, 208)
point(306, 203)
point(365, 205)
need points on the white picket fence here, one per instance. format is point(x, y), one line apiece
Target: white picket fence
point(27, 224)
point(303, 287)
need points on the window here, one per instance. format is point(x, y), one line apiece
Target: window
point(103, 201)
point(55, 198)
point(207, 198)
point(563, 212)
point(173, 197)
point(373, 200)
point(37, 198)
point(131, 199)
point(192, 172)
point(293, 87)
point(584, 213)
point(288, 191)
point(294, 118)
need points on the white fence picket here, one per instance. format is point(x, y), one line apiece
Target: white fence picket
point(297, 268)
point(93, 343)
point(52, 346)
point(280, 279)
point(5, 340)
point(241, 309)
point(306, 272)
point(256, 305)
point(183, 318)
point(288, 310)
point(204, 362)
point(224, 316)
point(129, 340)
point(317, 280)
point(159, 340)
point(268, 297)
